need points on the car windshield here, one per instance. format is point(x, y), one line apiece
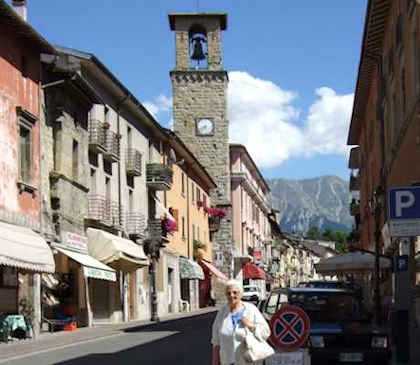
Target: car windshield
point(328, 307)
point(250, 288)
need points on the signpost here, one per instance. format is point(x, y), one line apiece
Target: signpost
point(404, 222)
point(290, 328)
point(404, 211)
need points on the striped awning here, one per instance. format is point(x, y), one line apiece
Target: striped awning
point(252, 271)
point(23, 248)
point(189, 269)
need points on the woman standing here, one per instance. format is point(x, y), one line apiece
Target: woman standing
point(229, 326)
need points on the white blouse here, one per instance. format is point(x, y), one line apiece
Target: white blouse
point(229, 338)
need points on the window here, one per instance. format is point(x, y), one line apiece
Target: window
point(129, 137)
point(182, 183)
point(198, 194)
point(205, 200)
point(183, 228)
point(25, 149)
point(108, 167)
point(192, 192)
point(193, 231)
point(198, 233)
point(107, 188)
point(403, 93)
point(75, 160)
point(8, 277)
point(130, 201)
point(93, 181)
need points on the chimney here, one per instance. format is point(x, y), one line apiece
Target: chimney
point(20, 8)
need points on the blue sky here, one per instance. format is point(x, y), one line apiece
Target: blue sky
point(293, 68)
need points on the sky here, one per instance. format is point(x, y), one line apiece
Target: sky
point(292, 68)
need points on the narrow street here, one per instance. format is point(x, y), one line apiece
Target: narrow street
point(180, 342)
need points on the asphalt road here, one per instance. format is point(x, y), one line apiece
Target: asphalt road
point(181, 342)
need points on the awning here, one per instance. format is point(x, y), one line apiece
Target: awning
point(207, 266)
point(252, 271)
point(189, 269)
point(352, 262)
point(92, 268)
point(116, 251)
point(24, 249)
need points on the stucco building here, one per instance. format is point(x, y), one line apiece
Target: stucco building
point(250, 211)
point(24, 254)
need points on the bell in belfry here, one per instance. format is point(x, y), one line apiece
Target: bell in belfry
point(198, 53)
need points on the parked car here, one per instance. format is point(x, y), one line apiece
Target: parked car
point(341, 329)
point(252, 293)
point(331, 284)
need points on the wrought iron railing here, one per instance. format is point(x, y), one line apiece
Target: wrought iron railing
point(112, 146)
point(105, 211)
point(133, 162)
point(136, 224)
point(159, 176)
point(97, 135)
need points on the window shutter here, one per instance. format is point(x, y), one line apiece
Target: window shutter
point(175, 215)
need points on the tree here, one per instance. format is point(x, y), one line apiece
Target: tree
point(313, 233)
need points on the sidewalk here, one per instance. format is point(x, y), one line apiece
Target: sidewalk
point(414, 349)
point(47, 341)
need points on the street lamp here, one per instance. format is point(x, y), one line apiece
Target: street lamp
point(376, 204)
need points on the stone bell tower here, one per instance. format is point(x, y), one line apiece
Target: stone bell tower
point(199, 84)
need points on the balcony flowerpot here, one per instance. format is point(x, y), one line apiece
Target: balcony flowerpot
point(105, 125)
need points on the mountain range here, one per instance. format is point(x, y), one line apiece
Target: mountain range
point(322, 202)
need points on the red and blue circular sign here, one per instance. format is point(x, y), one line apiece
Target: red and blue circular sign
point(290, 328)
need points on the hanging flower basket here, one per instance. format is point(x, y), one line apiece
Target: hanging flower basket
point(200, 204)
point(217, 212)
point(106, 125)
point(170, 225)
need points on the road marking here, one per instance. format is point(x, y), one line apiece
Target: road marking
point(51, 349)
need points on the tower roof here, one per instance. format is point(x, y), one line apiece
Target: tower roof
point(221, 16)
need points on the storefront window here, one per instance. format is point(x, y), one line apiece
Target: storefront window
point(8, 277)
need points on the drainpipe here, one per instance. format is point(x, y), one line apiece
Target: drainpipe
point(123, 287)
point(188, 215)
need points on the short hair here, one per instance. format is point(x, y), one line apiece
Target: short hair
point(230, 283)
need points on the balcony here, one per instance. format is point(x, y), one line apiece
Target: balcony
point(136, 225)
point(97, 136)
point(104, 211)
point(112, 142)
point(158, 176)
point(214, 223)
point(354, 182)
point(133, 162)
point(157, 232)
point(354, 209)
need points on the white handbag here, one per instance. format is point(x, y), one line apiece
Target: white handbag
point(255, 349)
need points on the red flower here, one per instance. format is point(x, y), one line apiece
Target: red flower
point(199, 203)
point(170, 225)
point(217, 212)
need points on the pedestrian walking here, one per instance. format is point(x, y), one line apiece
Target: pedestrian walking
point(231, 324)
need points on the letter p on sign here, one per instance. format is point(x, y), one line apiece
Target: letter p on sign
point(403, 199)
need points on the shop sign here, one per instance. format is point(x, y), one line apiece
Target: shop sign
point(74, 241)
point(257, 255)
point(91, 272)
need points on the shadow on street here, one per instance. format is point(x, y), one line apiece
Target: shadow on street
point(187, 342)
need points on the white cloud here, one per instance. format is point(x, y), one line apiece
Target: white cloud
point(263, 118)
point(161, 108)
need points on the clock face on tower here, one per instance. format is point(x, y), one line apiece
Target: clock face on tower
point(204, 126)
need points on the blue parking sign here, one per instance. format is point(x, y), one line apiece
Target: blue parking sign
point(404, 211)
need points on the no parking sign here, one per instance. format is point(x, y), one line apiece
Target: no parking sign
point(290, 328)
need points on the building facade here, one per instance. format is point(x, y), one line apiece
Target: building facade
point(24, 254)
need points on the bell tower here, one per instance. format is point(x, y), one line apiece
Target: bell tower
point(199, 86)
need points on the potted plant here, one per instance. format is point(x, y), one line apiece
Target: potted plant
point(106, 125)
point(170, 225)
point(27, 310)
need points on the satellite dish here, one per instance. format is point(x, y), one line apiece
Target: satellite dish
point(172, 155)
